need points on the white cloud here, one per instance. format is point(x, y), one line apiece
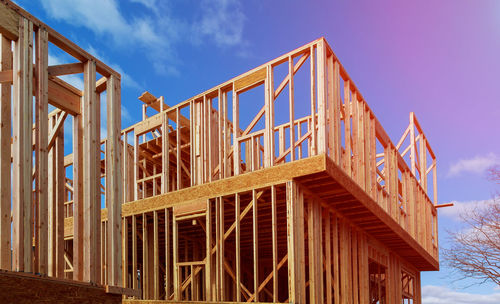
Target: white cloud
point(444, 295)
point(222, 21)
point(151, 4)
point(126, 79)
point(158, 33)
point(461, 208)
point(476, 165)
point(103, 17)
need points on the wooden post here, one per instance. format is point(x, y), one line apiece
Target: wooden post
point(275, 243)
point(291, 108)
point(178, 149)
point(295, 244)
point(52, 197)
point(125, 247)
point(236, 124)
point(237, 246)
point(412, 143)
point(336, 268)
point(313, 149)
point(135, 284)
point(58, 220)
point(5, 153)
point(255, 246)
point(269, 118)
point(315, 258)
point(78, 197)
point(145, 259)
point(156, 258)
point(322, 135)
point(337, 103)
point(434, 182)
point(41, 156)
point(165, 161)
point(220, 251)
point(208, 256)
point(114, 181)
point(175, 247)
point(347, 126)
point(168, 261)
point(22, 148)
point(91, 177)
point(328, 257)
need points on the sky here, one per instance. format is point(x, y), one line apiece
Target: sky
point(439, 59)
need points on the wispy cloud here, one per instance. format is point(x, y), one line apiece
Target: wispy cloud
point(477, 165)
point(444, 295)
point(151, 4)
point(462, 208)
point(126, 79)
point(160, 32)
point(221, 21)
point(103, 17)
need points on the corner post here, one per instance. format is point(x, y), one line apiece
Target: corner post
point(22, 147)
point(114, 181)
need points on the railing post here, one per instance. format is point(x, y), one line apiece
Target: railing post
point(269, 117)
point(312, 126)
point(291, 108)
point(236, 144)
point(336, 113)
point(322, 85)
point(412, 143)
point(423, 162)
point(165, 155)
point(434, 181)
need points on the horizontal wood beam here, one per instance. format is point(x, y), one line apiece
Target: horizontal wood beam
point(100, 85)
point(63, 97)
point(65, 69)
point(9, 22)
point(240, 183)
point(61, 94)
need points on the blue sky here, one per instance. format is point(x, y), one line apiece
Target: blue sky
point(436, 58)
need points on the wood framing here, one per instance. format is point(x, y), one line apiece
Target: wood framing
point(199, 206)
point(43, 196)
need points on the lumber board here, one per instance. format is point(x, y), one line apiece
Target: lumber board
point(9, 22)
point(114, 181)
point(65, 69)
point(267, 176)
point(249, 81)
point(63, 98)
point(41, 155)
point(5, 157)
point(22, 147)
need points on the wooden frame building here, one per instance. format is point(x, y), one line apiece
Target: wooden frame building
point(305, 201)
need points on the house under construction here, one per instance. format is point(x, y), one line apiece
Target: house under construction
point(277, 186)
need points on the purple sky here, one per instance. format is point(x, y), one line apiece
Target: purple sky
point(440, 59)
